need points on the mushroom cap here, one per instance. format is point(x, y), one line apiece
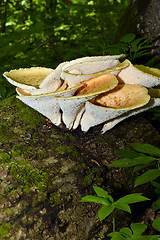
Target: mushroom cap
point(72, 106)
point(139, 74)
point(92, 59)
point(83, 71)
point(148, 70)
point(27, 78)
point(53, 76)
point(124, 97)
point(113, 104)
point(154, 102)
point(97, 85)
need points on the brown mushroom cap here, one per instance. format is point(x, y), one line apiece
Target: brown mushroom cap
point(98, 84)
point(124, 96)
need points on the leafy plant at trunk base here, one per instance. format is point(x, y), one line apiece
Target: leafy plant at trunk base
point(143, 155)
point(109, 205)
point(156, 224)
point(156, 204)
point(133, 233)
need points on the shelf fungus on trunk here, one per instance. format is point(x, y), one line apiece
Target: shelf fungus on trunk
point(79, 72)
point(88, 91)
point(114, 103)
point(27, 78)
point(139, 74)
point(47, 103)
point(71, 106)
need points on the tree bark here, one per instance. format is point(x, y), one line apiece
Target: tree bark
point(45, 171)
point(143, 18)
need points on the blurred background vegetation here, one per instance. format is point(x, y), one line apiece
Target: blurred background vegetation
point(47, 32)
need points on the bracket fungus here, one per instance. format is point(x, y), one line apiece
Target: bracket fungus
point(88, 91)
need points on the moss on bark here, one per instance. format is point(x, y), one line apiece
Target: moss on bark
point(45, 171)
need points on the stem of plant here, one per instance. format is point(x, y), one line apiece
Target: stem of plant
point(114, 223)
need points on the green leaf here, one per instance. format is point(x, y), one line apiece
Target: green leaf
point(157, 187)
point(126, 232)
point(130, 162)
point(128, 38)
point(138, 228)
point(122, 206)
point(134, 44)
point(156, 224)
point(145, 47)
point(155, 184)
point(90, 198)
point(128, 153)
point(102, 193)
point(156, 205)
point(144, 237)
point(147, 177)
point(139, 54)
point(132, 198)
point(105, 211)
point(116, 236)
point(146, 148)
point(140, 167)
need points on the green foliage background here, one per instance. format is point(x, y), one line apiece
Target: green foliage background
point(47, 32)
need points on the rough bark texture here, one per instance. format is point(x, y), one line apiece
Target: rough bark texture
point(45, 171)
point(143, 17)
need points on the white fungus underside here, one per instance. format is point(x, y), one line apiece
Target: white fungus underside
point(132, 75)
point(76, 76)
point(53, 76)
point(95, 115)
point(92, 59)
point(46, 105)
point(110, 124)
point(86, 70)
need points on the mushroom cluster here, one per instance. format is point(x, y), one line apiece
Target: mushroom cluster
point(88, 91)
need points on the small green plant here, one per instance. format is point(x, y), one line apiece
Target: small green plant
point(156, 224)
point(156, 204)
point(133, 233)
point(130, 45)
point(109, 205)
point(143, 156)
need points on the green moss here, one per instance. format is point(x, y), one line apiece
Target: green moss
point(24, 173)
point(4, 229)
point(88, 178)
point(38, 235)
point(67, 150)
point(67, 136)
point(12, 113)
point(55, 199)
point(34, 201)
point(26, 189)
point(7, 210)
point(26, 114)
point(5, 157)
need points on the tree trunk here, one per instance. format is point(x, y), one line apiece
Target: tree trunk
point(45, 171)
point(143, 18)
